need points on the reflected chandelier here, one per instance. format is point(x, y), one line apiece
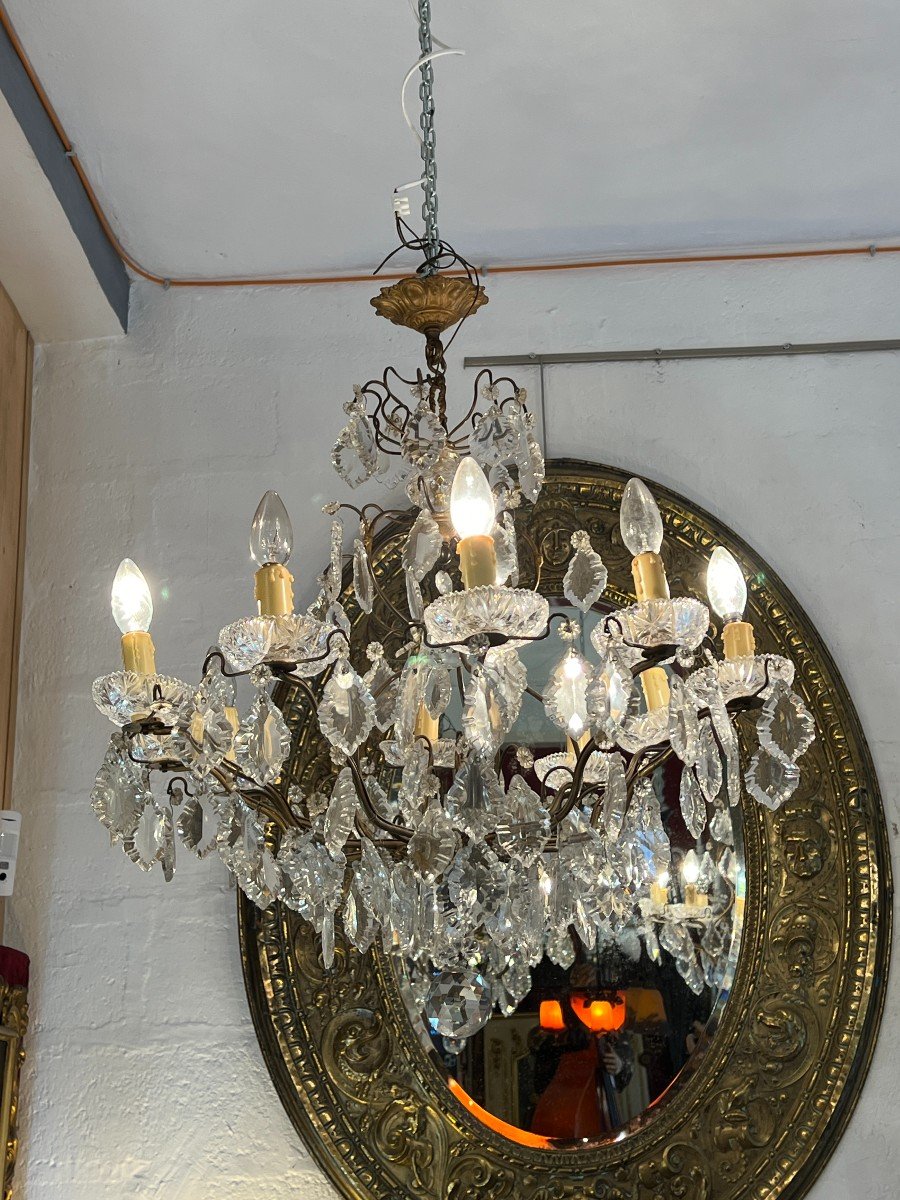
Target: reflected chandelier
point(421, 841)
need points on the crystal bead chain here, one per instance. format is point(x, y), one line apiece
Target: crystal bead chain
point(426, 121)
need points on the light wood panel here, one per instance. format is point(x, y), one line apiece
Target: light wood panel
point(16, 354)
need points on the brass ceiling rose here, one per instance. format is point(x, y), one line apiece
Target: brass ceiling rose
point(429, 304)
point(758, 1113)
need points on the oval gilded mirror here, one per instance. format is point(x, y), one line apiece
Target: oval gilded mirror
point(626, 1067)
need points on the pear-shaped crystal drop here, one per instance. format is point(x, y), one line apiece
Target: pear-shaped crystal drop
point(363, 583)
point(271, 535)
point(639, 519)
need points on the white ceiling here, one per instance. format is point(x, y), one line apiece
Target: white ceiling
point(233, 136)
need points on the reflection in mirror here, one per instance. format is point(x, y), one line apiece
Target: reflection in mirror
point(606, 1032)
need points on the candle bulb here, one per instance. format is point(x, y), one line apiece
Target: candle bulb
point(642, 533)
point(690, 873)
point(659, 890)
point(472, 511)
point(132, 610)
point(727, 593)
point(271, 542)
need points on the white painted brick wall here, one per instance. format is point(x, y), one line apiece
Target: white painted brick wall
point(144, 1078)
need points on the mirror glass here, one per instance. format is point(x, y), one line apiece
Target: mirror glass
point(605, 1037)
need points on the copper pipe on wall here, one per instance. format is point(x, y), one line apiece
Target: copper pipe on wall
point(693, 258)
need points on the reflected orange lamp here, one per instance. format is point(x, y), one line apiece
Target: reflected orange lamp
point(600, 1016)
point(551, 1015)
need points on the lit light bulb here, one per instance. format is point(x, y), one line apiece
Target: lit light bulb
point(725, 585)
point(639, 519)
point(690, 868)
point(131, 602)
point(573, 666)
point(663, 879)
point(271, 535)
point(575, 727)
point(472, 506)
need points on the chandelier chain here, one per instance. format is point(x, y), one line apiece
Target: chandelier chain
point(426, 121)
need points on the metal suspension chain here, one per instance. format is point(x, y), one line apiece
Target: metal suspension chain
point(426, 121)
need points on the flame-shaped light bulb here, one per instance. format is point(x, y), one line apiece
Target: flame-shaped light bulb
point(725, 585)
point(690, 868)
point(472, 508)
point(131, 602)
point(639, 519)
point(271, 535)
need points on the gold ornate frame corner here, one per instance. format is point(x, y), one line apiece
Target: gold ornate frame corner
point(770, 1098)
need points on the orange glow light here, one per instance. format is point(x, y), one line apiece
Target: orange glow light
point(552, 1015)
point(599, 1015)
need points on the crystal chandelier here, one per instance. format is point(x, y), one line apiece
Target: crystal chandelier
point(469, 872)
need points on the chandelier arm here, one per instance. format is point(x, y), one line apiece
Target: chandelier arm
point(399, 831)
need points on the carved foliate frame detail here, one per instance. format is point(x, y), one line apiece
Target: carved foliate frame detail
point(766, 1104)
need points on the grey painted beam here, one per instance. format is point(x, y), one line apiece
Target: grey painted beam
point(26, 106)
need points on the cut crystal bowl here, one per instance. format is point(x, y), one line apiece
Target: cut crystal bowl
point(748, 675)
point(556, 769)
point(516, 615)
point(125, 695)
point(296, 638)
point(679, 622)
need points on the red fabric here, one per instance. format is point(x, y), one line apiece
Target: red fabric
point(14, 966)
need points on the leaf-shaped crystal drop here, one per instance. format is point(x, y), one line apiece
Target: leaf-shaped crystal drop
point(560, 948)
point(363, 583)
point(432, 847)
point(263, 741)
point(373, 881)
point(493, 439)
point(414, 601)
point(676, 939)
point(210, 722)
point(382, 683)
point(507, 551)
point(436, 690)
point(689, 970)
point(708, 872)
point(693, 806)
point(770, 780)
point(720, 826)
point(507, 677)
point(475, 799)
point(524, 830)
point(615, 797)
point(341, 812)
point(355, 453)
point(477, 882)
point(785, 728)
point(197, 825)
point(565, 696)
point(609, 696)
point(423, 545)
point(483, 717)
point(709, 762)
point(347, 710)
point(119, 794)
point(586, 576)
point(684, 728)
point(148, 843)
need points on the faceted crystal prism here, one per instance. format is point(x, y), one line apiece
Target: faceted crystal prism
point(433, 846)
point(355, 453)
point(152, 836)
point(458, 1003)
point(341, 813)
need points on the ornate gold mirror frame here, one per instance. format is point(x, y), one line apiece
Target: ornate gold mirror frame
point(773, 1091)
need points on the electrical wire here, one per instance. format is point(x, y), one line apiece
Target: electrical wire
point(693, 258)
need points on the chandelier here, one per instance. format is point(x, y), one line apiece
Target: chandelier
point(423, 842)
